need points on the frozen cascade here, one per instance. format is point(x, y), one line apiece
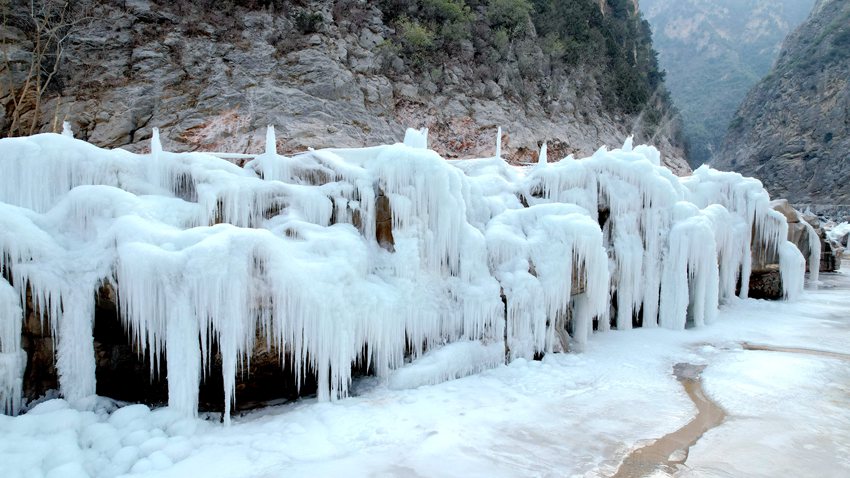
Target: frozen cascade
point(754, 230)
point(372, 256)
point(12, 358)
point(534, 253)
point(631, 196)
point(690, 277)
point(814, 253)
point(792, 269)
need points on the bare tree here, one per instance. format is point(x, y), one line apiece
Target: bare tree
point(48, 25)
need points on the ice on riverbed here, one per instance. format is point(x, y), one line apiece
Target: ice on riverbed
point(569, 414)
point(373, 256)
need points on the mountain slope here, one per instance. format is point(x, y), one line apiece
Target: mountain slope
point(793, 129)
point(714, 51)
point(213, 74)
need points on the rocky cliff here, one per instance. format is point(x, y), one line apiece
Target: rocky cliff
point(714, 51)
point(793, 129)
point(212, 75)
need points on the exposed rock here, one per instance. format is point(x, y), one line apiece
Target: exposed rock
point(766, 283)
point(798, 233)
point(714, 51)
point(37, 342)
point(213, 80)
point(789, 212)
point(830, 260)
point(792, 131)
point(765, 280)
point(384, 222)
point(124, 373)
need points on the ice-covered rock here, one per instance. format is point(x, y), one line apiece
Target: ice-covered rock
point(368, 257)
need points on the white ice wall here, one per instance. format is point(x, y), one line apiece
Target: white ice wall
point(201, 250)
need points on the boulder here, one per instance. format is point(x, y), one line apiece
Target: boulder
point(766, 283)
point(37, 341)
point(781, 205)
point(798, 233)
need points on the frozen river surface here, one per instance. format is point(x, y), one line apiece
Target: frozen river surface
point(777, 372)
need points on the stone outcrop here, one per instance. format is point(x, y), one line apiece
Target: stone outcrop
point(798, 233)
point(212, 79)
point(798, 229)
point(765, 281)
point(792, 131)
point(830, 251)
point(38, 342)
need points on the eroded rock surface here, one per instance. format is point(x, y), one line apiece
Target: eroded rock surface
point(212, 79)
point(793, 129)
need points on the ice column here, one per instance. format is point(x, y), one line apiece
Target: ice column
point(12, 358)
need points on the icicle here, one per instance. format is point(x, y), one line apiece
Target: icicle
point(690, 280)
point(792, 270)
point(12, 357)
point(183, 358)
point(541, 160)
point(271, 142)
point(66, 129)
point(628, 250)
point(534, 253)
point(628, 145)
point(156, 145)
point(75, 362)
point(814, 254)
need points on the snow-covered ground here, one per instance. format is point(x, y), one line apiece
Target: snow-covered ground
point(568, 415)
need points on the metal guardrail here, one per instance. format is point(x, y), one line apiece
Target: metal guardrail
point(231, 155)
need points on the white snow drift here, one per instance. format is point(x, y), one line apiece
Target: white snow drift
point(204, 254)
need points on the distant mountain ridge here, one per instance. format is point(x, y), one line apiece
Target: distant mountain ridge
point(793, 129)
point(714, 51)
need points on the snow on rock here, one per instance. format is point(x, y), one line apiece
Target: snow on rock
point(486, 260)
point(534, 252)
point(755, 231)
point(838, 233)
point(451, 361)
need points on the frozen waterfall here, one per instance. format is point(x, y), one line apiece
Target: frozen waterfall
point(371, 256)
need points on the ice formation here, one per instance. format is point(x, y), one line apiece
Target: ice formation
point(12, 358)
point(814, 252)
point(373, 256)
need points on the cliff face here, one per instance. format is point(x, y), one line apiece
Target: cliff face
point(714, 51)
point(212, 75)
point(793, 129)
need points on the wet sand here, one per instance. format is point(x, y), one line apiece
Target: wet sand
point(672, 449)
point(795, 350)
point(668, 452)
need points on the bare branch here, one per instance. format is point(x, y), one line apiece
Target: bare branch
point(49, 25)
